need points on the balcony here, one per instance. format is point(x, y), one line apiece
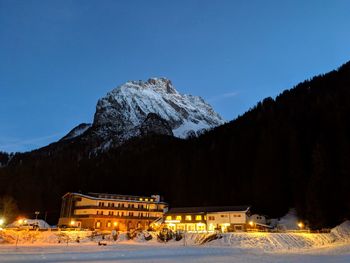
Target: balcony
point(118, 208)
point(115, 217)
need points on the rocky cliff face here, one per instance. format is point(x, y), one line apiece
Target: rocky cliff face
point(137, 108)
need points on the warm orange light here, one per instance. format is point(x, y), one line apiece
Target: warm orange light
point(300, 225)
point(115, 223)
point(251, 223)
point(21, 221)
point(72, 223)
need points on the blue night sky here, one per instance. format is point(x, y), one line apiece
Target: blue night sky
point(59, 57)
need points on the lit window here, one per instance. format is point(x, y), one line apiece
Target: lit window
point(141, 199)
point(109, 224)
point(179, 218)
point(98, 224)
point(188, 218)
point(168, 218)
point(146, 199)
point(198, 217)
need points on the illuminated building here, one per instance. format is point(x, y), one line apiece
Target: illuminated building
point(203, 219)
point(110, 211)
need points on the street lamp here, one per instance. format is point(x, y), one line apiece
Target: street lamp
point(301, 225)
point(2, 221)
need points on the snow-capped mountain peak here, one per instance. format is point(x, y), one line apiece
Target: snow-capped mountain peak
point(125, 108)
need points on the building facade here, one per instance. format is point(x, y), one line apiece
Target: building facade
point(110, 211)
point(208, 219)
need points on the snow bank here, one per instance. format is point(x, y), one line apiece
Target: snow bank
point(342, 232)
point(273, 242)
point(51, 237)
point(41, 223)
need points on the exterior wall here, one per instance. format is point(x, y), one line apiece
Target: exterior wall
point(258, 219)
point(186, 222)
point(108, 214)
point(223, 221)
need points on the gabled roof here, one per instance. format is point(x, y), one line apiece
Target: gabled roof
point(208, 209)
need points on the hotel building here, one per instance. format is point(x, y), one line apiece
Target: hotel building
point(207, 219)
point(110, 211)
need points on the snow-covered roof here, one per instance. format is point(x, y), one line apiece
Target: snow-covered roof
point(208, 209)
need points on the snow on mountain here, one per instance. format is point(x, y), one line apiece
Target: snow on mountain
point(77, 131)
point(123, 110)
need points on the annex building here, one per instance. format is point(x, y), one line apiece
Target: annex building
point(110, 211)
point(203, 219)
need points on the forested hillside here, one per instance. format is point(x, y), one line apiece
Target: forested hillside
point(292, 151)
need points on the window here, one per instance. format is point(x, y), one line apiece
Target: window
point(211, 217)
point(98, 224)
point(179, 218)
point(122, 213)
point(168, 218)
point(198, 217)
point(110, 213)
point(132, 206)
point(112, 204)
point(200, 227)
point(191, 227)
point(131, 213)
point(188, 218)
point(109, 224)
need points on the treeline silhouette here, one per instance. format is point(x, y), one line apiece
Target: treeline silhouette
point(292, 151)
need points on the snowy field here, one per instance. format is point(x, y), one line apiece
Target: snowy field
point(36, 246)
point(133, 252)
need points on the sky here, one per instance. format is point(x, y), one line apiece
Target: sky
point(57, 58)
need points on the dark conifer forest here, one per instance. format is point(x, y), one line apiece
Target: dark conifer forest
point(291, 151)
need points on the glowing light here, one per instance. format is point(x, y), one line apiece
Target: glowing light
point(72, 223)
point(300, 225)
point(115, 223)
point(188, 218)
point(251, 223)
point(172, 221)
point(2, 221)
point(21, 221)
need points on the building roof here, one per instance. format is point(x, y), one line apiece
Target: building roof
point(115, 197)
point(208, 209)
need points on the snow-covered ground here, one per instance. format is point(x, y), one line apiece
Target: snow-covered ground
point(54, 246)
point(146, 252)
